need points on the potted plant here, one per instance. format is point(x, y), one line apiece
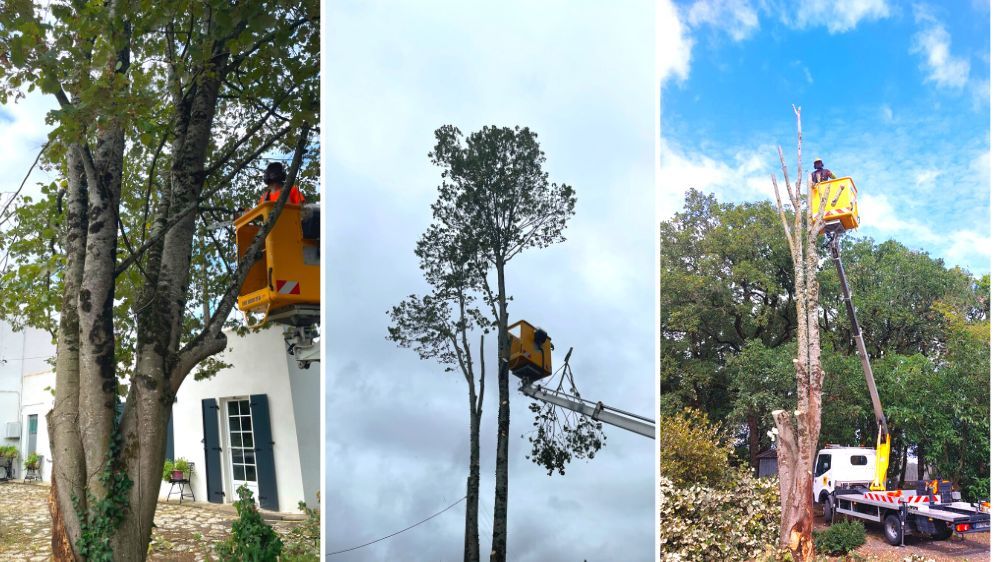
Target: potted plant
point(177, 469)
point(32, 462)
point(182, 469)
point(168, 469)
point(8, 453)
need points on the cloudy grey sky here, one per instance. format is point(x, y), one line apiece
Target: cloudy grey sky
point(582, 76)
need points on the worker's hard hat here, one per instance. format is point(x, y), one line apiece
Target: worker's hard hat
point(817, 160)
point(274, 173)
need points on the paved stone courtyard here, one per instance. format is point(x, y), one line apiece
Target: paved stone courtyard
point(185, 532)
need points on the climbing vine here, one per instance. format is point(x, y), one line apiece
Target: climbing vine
point(98, 524)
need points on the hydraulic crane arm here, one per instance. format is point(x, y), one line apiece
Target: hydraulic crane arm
point(883, 443)
point(596, 410)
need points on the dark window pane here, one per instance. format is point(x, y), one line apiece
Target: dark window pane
point(246, 424)
point(238, 472)
point(859, 460)
point(248, 456)
point(822, 464)
point(236, 439)
point(238, 456)
point(245, 407)
point(248, 439)
point(251, 474)
point(234, 408)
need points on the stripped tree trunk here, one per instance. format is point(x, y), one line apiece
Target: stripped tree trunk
point(475, 420)
point(798, 433)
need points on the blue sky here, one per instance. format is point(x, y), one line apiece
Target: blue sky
point(894, 94)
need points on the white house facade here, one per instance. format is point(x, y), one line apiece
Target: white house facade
point(25, 394)
point(255, 423)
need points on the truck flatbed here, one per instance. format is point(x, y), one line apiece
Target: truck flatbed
point(905, 512)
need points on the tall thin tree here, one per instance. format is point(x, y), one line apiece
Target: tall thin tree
point(498, 201)
point(440, 326)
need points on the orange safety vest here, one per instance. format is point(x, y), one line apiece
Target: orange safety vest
point(295, 197)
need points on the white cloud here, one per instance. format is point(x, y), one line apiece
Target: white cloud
point(886, 111)
point(965, 246)
point(933, 43)
point(736, 17)
point(673, 45)
point(926, 177)
point(838, 16)
point(745, 174)
point(879, 213)
point(980, 90)
point(981, 167)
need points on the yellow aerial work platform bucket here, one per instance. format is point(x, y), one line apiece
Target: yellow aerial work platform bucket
point(530, 354)
point(841, 205)
point(285, 278)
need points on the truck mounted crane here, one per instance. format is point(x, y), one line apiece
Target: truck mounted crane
point(839, 481)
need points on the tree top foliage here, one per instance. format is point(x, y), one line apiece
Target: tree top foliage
point(495, 195)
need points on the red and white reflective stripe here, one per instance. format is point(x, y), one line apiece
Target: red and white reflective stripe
point(899, 499)
point(839, 211)
point(288, 287)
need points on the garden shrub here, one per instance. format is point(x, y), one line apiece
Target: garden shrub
point(737, 520)
point(302, 542)
point(840, 538)
point(251, 539)
point(693, 450)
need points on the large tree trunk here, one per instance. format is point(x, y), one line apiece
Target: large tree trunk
point(499, 550)
point(69, 473)
point(798, 434)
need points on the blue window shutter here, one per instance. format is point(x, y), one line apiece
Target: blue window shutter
point(170, 436)
point(267, 482)
point(213, 451)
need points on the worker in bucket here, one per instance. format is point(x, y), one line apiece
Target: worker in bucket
point(274, 178)
point(820, 173)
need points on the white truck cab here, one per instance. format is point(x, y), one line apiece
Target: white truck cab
point(836, 465)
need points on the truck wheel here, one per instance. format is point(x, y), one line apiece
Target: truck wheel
point(941, 532)
point(828, 510)
point(893, 530)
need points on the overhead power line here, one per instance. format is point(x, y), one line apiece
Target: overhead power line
point(460, 500)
